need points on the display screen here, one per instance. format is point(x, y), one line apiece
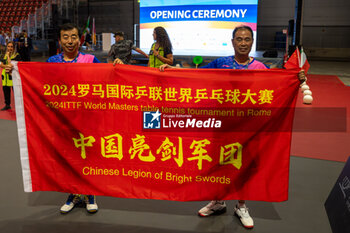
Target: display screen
point(197, 27)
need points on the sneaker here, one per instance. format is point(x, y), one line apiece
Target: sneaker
point(243, 215)
point(91, 205)
point(213, 208)
point(72, 201)
point(7, 107)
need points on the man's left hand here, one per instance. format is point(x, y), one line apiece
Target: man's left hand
point(301, 76)
point(118, 61)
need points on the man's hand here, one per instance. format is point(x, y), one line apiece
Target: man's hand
point(118, 61)
point(164, 66)
point(301, 76)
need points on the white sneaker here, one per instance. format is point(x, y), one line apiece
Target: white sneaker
point(243, 215)
point(73, 199)
point(213, 208)
point(91, 205)
point(67, 208)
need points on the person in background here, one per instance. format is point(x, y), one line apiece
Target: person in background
point(69, 40)
point(2, 42)
point(16, 39)
point(121, 50)
point(161, 51)
point(25, 46)
point(88, 40)
point(7, 37)
point(5, 63)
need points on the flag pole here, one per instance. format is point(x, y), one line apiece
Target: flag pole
point(298, 54)
point(93, 33)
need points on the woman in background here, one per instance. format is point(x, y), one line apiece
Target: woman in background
point(161, 50)
point(5, 63)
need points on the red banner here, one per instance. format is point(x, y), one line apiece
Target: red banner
point(136, 132)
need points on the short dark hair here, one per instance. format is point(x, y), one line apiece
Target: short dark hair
point(68, 27)
point(119, 33)
point(242, 28)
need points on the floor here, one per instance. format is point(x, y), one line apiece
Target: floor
point(310, 183)
point(340, 69)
